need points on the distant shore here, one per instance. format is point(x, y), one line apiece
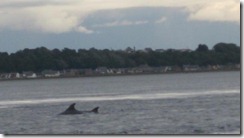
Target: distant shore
point(125, 74)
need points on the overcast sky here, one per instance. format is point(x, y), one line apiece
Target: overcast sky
point(117, 24)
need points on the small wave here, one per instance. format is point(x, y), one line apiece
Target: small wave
point(5, 104)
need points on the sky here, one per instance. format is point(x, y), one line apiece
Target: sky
point(117, 24)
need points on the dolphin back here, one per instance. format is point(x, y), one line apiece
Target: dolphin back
point(71, 110)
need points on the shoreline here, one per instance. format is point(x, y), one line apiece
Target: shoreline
point(112, 75)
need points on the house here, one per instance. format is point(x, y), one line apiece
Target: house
point(110, 71)
point(144, 68)
point(4, 76)
point(130, 70)
point(14, 75)
point(165, 69)
point(101, 70)
point(176, 68)
point(88, 72)
point(29, 75)
point(185, 50)
point(72, 72)
point(51, 73)
point(119, 71)
point(191, 68)
point(160, 50)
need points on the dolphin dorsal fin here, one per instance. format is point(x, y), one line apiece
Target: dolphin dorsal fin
point(71, 107)
point(95, 110)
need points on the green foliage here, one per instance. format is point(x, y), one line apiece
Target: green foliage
point(227, 53)
point(42, 58)
point(202, 48)
point(226, 48)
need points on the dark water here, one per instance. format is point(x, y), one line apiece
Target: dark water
point(191, 103)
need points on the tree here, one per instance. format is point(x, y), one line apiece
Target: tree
point(41, 58)
point(202, 48)
point(226, 48)
point(227, 53)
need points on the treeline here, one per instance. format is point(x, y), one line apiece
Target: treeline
point(41, 58)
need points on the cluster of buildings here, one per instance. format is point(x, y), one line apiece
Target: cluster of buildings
point(146, 50)
point(143, 69)
point(30, 75)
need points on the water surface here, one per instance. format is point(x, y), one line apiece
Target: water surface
point(182, 103)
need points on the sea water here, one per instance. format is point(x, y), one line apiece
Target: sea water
point(181, 103)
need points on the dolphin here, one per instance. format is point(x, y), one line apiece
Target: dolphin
point(72, 111)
